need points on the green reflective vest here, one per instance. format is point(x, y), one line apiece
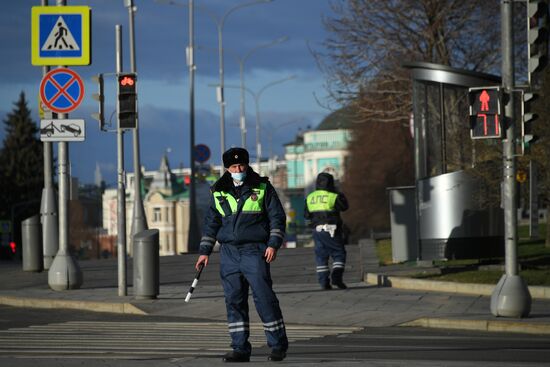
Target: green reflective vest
point(253, 204)
point(321, 201)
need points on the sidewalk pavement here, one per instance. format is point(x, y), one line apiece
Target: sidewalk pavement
point(363, 304)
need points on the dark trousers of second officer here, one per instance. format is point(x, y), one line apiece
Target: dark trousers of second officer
point(241, 267)
point(325, 247)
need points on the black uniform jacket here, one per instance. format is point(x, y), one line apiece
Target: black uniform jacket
point(267, 226)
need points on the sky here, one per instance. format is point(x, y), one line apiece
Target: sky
point(161, 33)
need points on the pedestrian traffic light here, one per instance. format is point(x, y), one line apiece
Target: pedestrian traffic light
point(528, 118)
point(537, 36)
point(100, 115)
point(485, 112)
point(127, 100)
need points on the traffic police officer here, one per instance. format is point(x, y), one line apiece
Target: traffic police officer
point(323, 207)
point(248, 220)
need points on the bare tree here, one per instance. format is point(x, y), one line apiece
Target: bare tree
point(371, 39)
point(369, 42)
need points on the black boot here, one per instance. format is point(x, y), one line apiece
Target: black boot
point(326, 287)
point(340, 285)
point(236, 357)
point(277, 355)
point(337, 275)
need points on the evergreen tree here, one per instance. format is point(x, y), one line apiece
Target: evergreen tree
point(21, 163)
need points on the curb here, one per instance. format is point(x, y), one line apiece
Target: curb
point(112, 307)
point(481, 325)
point(382, 280)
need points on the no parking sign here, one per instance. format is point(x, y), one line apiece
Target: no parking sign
point(202, 153)
point(62, 90)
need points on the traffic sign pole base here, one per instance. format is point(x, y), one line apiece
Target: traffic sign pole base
point(64, 273)
point(511, 297)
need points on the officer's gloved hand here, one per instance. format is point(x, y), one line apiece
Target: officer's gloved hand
point(203, 259)
point(270, 254)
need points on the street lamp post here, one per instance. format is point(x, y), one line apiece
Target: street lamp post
point(193, 237)
point(258, 121)
point(241, 69)
point(220, 22)
point(256, 97)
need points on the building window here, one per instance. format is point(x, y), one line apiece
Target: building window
point(157, 216)
point(161, 244)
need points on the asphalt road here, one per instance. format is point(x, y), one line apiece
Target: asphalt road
point(48, 338)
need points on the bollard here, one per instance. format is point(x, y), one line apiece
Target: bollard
point(31, 237)
point(146, 264)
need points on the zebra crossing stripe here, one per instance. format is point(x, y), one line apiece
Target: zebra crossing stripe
point(99, 339)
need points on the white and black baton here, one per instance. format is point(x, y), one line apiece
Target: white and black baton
point(195, 282)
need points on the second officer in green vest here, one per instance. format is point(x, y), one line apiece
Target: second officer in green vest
point(322, 209)
point(248, 220)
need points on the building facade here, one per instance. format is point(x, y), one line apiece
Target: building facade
point(166, 202)
point(166, 205)
point(324, 149)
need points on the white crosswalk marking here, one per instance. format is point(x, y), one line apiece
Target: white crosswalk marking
point(139, 339)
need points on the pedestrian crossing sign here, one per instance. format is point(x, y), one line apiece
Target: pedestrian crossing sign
point(60, 35)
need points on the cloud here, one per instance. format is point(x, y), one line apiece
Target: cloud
point(161, 39)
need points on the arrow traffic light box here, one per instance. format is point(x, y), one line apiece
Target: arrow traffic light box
point(485, 112)
point(527, 120)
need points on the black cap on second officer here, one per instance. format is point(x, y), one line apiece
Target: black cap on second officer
point(235, 156)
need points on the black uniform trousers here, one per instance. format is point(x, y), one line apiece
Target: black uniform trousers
point(241, 267)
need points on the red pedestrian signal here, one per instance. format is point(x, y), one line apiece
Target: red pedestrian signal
point(484, 112)
point(13, 247)
point(127, 100)
point(484, 98)
point(126, 80)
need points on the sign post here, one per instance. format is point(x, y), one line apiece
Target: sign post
point(60, 36)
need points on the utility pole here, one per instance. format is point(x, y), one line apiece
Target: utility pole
point(139, 220)
point(511, 296)
point(48, 207)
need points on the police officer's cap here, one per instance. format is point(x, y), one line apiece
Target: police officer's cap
point(235, 156)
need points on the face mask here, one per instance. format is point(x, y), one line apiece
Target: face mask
point(238, 176)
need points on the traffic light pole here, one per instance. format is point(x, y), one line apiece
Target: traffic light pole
point(139, 220)
point(121, 189)
point(511, 296)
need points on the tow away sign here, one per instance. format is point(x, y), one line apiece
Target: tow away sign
point(62, 130)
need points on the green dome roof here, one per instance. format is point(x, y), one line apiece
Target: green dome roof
point(342, 118)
